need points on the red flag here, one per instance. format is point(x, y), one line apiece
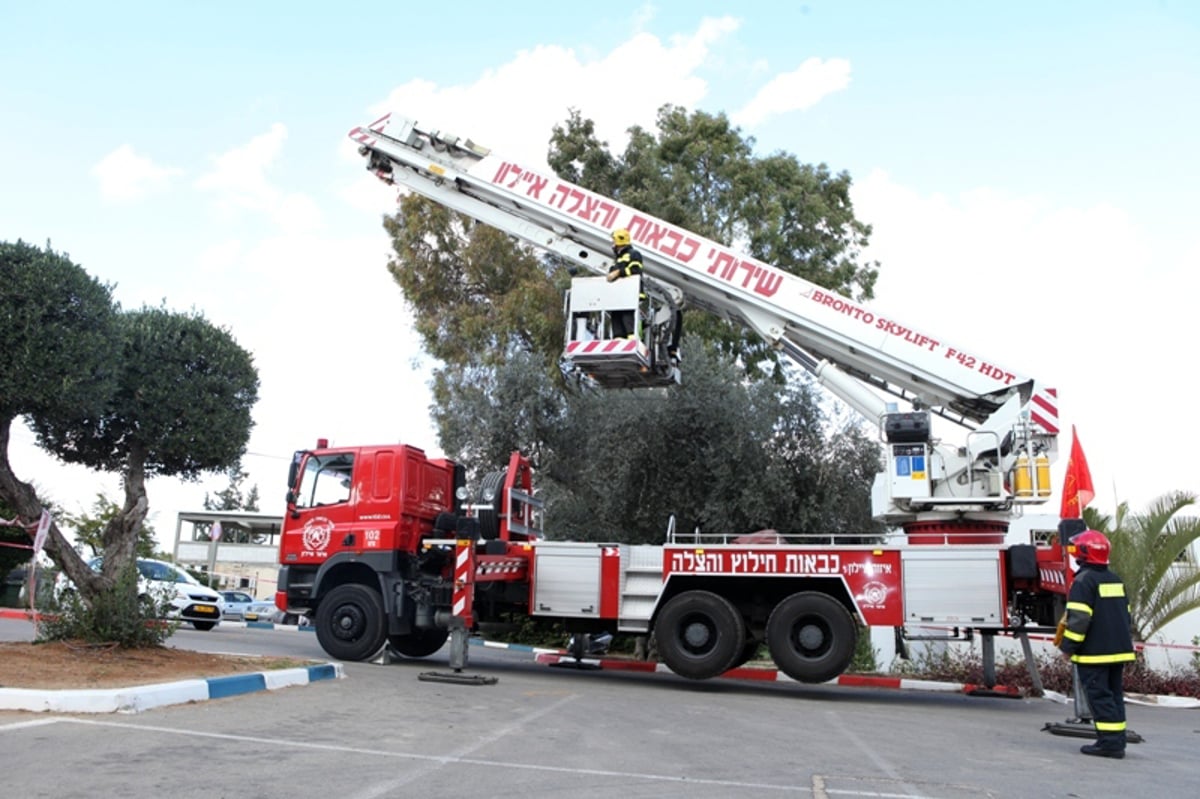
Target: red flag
point(1077, 486)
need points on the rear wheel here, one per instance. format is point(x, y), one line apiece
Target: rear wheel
point(350, 622)
point(699, 634)
point(419, 644)
point(811, 637)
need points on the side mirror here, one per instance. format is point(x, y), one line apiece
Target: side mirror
point(294, 469)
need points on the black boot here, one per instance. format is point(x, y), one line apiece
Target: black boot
point(1102, 751)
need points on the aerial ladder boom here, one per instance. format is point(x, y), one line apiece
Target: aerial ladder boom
point(857, 352)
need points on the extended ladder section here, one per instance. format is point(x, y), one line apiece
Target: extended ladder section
point(857, 352)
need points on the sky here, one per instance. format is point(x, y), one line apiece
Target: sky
point(1029, 170)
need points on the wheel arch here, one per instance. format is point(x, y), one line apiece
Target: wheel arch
point(343, 569)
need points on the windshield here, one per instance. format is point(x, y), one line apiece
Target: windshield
point(326, 480)
point(165, 572)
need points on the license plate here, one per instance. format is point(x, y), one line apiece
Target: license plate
point(251, 617)
point(208, 610)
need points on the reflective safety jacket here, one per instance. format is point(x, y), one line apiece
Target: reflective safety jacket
point(629, 263)
point(1097, 630)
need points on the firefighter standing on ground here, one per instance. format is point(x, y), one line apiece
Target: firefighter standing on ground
point(1097, 640)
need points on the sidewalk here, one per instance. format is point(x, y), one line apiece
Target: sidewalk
point(135, 699)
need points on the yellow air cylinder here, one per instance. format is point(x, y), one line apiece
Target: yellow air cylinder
point(1022, 479)
point(1041, 465)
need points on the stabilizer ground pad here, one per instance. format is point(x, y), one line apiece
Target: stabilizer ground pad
point(456, 678)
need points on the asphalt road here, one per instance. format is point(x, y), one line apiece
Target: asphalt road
point(541, 731)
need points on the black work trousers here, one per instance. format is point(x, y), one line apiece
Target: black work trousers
point(1103, 685)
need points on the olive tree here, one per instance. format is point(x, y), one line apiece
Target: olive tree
point(59, 363)
point(181, 408)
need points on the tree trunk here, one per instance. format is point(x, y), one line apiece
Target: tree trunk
point(24, 500)
point(120, 535)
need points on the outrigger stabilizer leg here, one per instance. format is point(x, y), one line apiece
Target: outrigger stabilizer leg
point(459, 640)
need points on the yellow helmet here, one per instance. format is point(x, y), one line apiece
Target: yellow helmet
point(621, 238)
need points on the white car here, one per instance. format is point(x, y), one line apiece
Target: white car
point(241, 606)
point(190, 601)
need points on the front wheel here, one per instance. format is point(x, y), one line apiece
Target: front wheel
point(811, 637)
point(700, 634)
point(419, 644)
point(350, 622)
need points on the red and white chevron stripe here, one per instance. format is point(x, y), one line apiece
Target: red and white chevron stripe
point(489, 569)
point(609, 346)
point(1043, 410)
point(364, 135)
point(462, 584)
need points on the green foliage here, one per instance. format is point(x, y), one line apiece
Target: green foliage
point(116, 615)
point(1152, 553)
point(478, 295)
point(718, 453)
point(965, 666)
point(182, 405)
point(232, 497)
point(89, 528)
point(493, 411)
point(866, 657)
point(58, 328)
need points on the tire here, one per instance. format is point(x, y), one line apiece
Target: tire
point(419, 644)
point(811, 637)
point(204, 626)
point(699, 634)
point(749, 650)
point(350, 623)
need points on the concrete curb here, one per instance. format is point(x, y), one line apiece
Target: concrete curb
point(135, 699)
point(145, 697)
point(774, 675)
point(558, 657)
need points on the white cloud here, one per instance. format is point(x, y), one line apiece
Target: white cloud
point(798, 90)
point(239, 180)
point(125, 176)
point(502, 109)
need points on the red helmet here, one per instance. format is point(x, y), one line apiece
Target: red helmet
point(1090, 547)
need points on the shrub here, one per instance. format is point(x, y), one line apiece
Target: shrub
point(866, 658)
point(966, 666)
point(116, 616)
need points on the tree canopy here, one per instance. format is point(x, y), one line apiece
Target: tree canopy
point(58, 325)
point(232, 496)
